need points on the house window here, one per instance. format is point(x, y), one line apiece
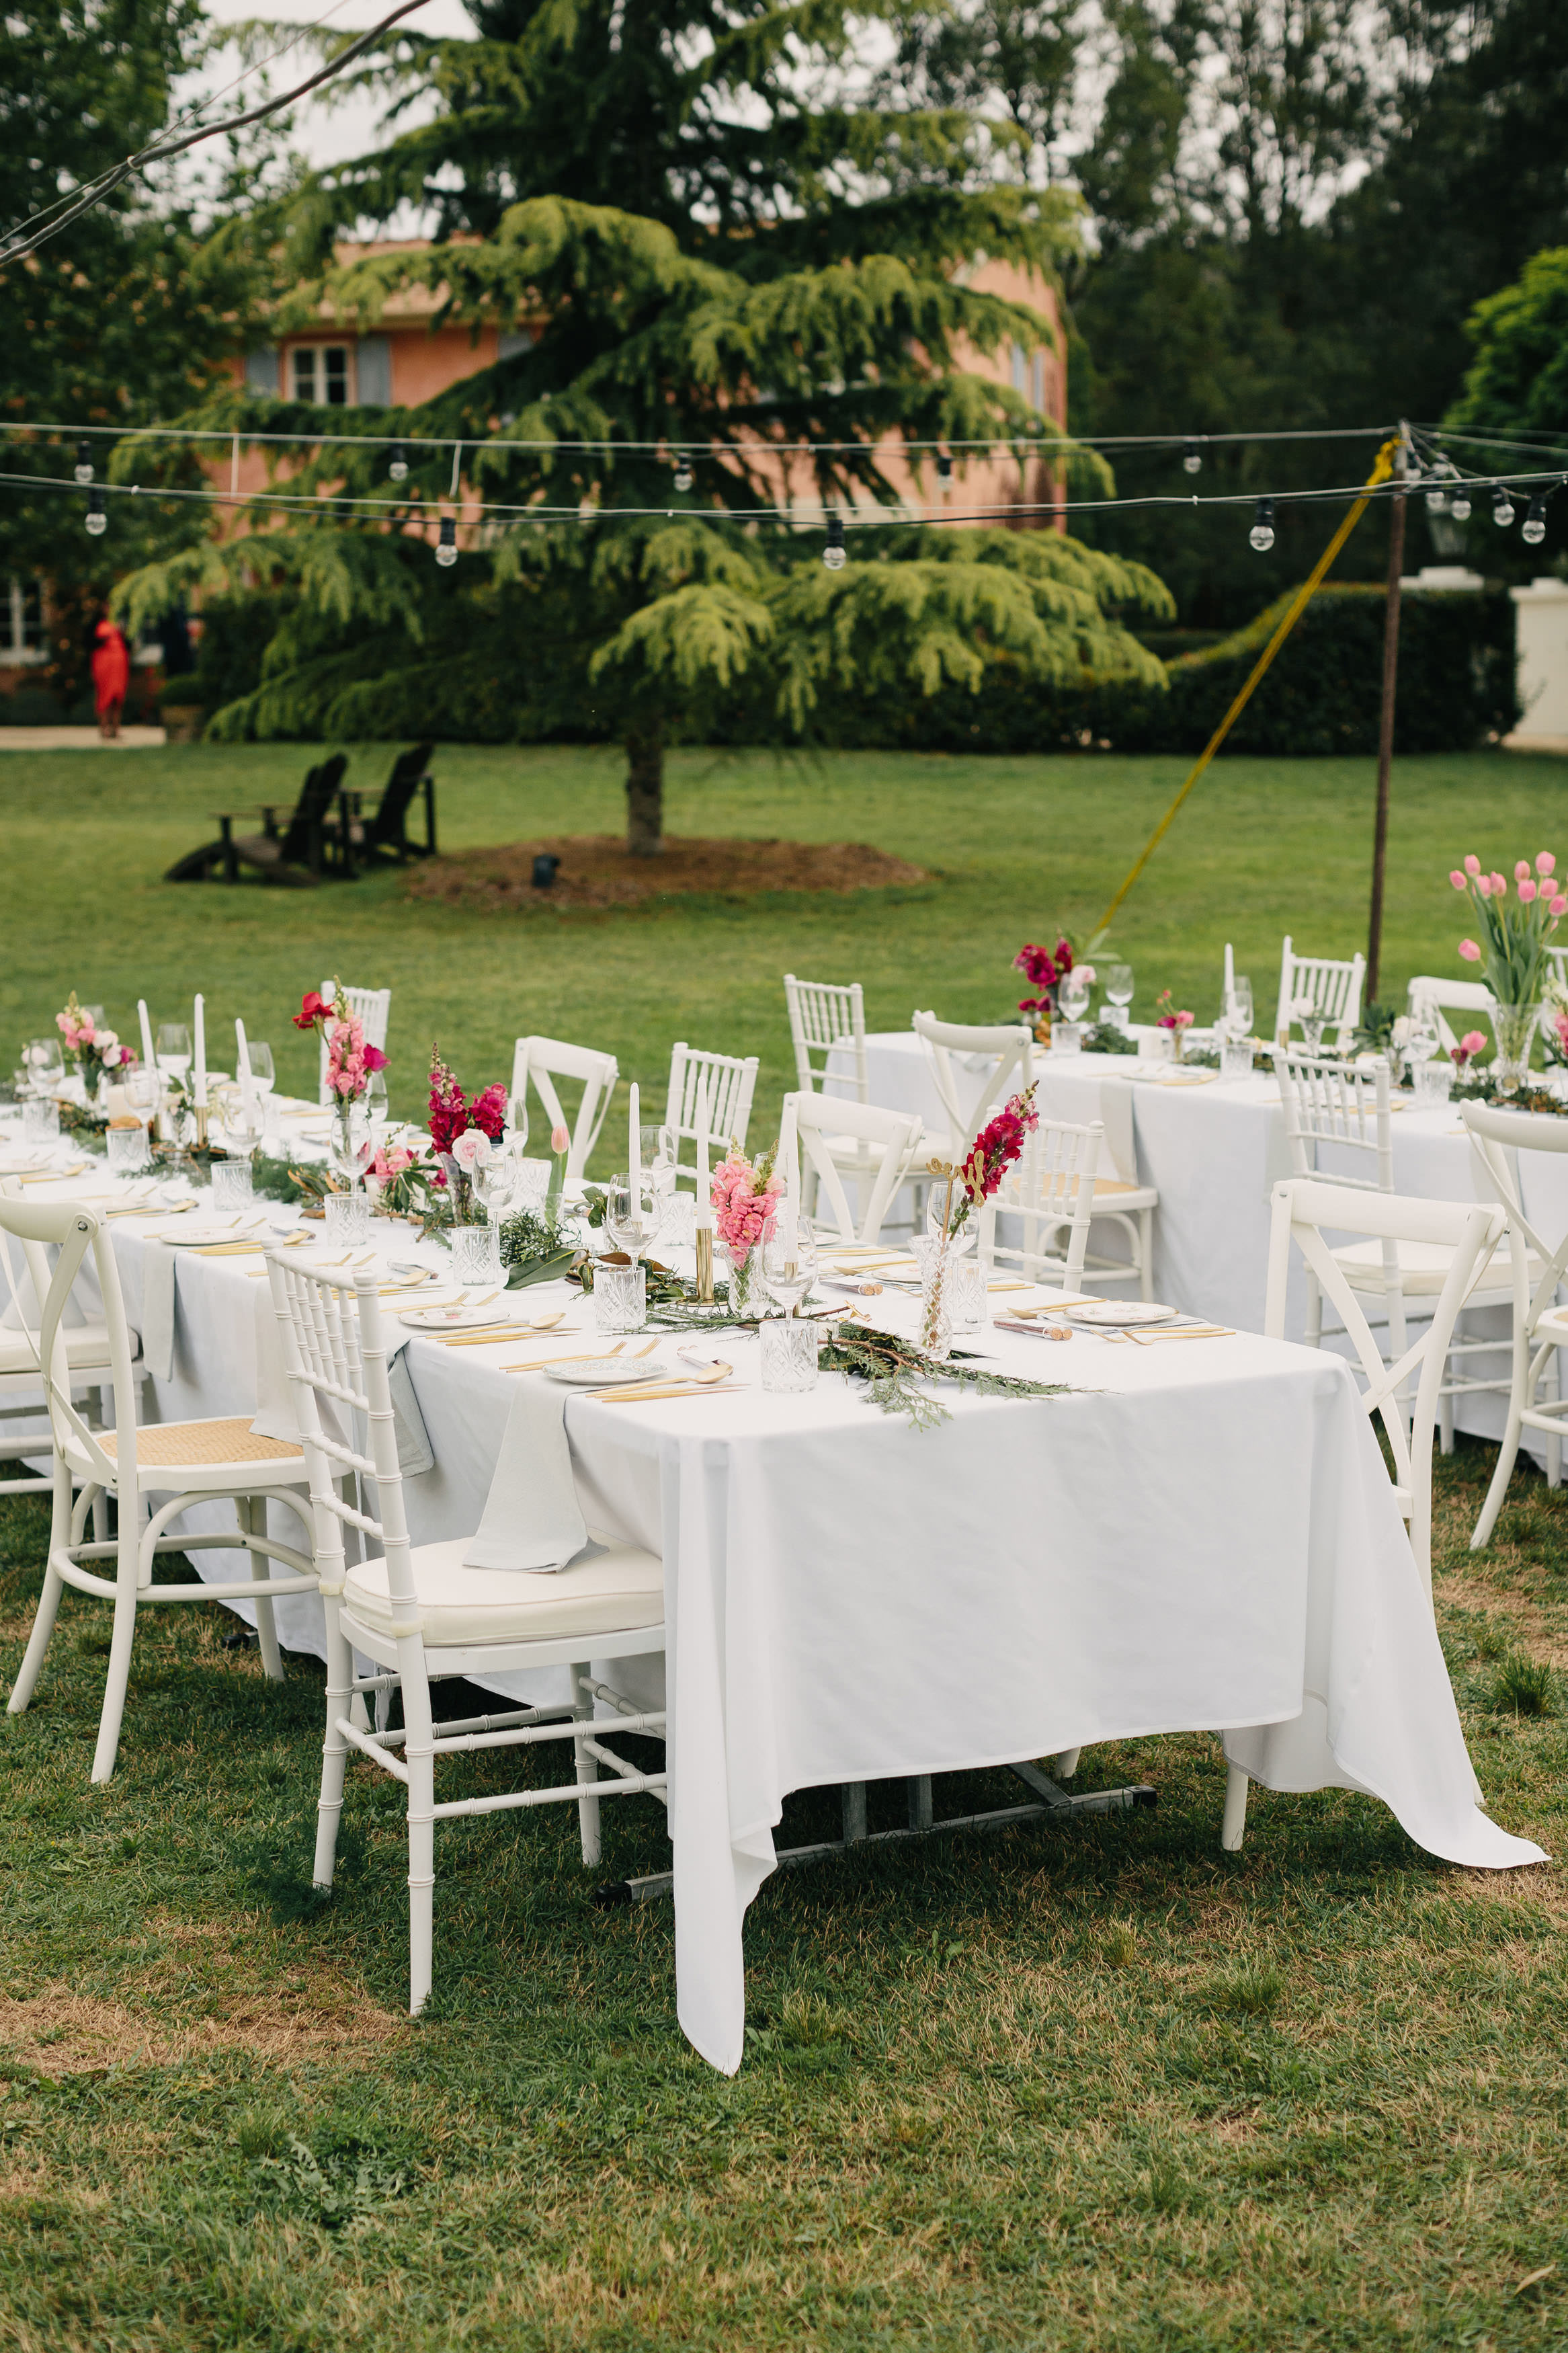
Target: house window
point(321, 373)
point(1020, 369)
point(1039, 379)
point(21, 621)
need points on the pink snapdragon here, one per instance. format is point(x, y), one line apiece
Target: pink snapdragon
point(742, 1209)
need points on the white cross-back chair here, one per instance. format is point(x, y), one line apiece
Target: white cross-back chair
point(1466, 1235)
point(153, 1473)
point(975, 1067)
point(373, 1007)
point(539, 1062)
point(826, 1016)
point(21, 1378)
point(1343, 1104)
point(1333, 988)
point(1051, 1188)
point(419, 1615)
point(1441, 997)
point(731, 1082)
point(1536, 1268)
point(886, 1142)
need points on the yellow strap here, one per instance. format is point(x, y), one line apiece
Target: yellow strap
point(1380, 473)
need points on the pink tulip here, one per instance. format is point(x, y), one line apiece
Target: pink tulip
point(1526, 889)
point(1484, 886)
point(1545, 862)
point(1559, 905)
point(1522, 871)
point(559, 1140)
point(1500, 885)
point(1469, 951)
point(1472, 865)
point(1458, 880)
point(1472, 1041)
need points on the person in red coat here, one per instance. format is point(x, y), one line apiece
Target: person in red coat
point(111, 676)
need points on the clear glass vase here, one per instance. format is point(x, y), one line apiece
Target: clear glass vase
point(935, 1259)
point(747, 1297)
point(1513, 1028)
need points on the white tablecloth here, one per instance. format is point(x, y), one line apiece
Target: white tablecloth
point(1200, 1537)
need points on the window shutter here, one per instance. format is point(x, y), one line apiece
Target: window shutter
point(375, 369)
point(261, 370)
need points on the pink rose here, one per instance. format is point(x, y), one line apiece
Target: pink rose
point(1469, 951)
point(1545, 862)
point(1458, 880)
point(1526, 888)
point(1522, 871)
point(471, 1149)
point(1472, 865)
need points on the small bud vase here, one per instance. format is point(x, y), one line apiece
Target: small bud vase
point(935, 1260)
point(747, 1298)
point(1513, 1027)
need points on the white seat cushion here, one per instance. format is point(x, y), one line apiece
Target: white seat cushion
point(611, 1594)
point(1423, 1269)
point(86, 1344)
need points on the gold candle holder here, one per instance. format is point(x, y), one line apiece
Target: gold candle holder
point(201, 1111)
point(704, 1265)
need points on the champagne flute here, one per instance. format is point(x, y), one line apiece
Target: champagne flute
point(1117, 980)
point(789, 1262)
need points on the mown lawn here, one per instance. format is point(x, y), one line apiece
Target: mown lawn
point(1104, 2088)
point(1014, 846)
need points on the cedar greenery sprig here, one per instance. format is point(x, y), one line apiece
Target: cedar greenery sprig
point(892, 1367)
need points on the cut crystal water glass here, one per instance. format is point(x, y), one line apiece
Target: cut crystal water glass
point(347, 1220)
point(620, 1297)
point(476, 1256)
point(790, 1350)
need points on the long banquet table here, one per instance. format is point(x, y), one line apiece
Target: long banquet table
point(1201, 1536)
point(1215, 1149)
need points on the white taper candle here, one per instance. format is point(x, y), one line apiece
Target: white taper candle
point(201, 1054)
point(150, 1059)
point(247, 1083)
point(704, 1187)
point(634, 1146)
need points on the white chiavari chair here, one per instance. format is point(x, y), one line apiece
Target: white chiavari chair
point(732, 1082)
point(886, 1145)
point(21, 1360)
point(826, 1016)
point(373, 1007)
point(1440, 997)
point(420, 1617)
point(539, 1062)
point(1051, 1189)
point(153, 1473)
point(1465, 1236)
point(1536, 1267)
point(1331, 987)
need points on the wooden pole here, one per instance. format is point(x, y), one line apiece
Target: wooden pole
point(1385, 721)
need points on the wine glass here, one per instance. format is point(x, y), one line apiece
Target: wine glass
point(263, 1076)
point(789, 1262)
point(377, 1110)
point(632, 1214)
point(659, 1159)
point(499, 1180)
point(349, 1148)
point(1311, 1021)
point(1117, 980)
point(241, 1120)
point(1073, 995)
point(45, 1064)
point(1241, 1012)
point(172, 1048)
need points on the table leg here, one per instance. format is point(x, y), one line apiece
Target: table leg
point(919, 1789)
point(853, 1795)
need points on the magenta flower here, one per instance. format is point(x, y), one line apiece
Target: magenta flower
point(1469, 951)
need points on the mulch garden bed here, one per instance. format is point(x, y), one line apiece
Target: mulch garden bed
point(596, 872)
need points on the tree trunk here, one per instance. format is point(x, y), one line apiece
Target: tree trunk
point(644, 795)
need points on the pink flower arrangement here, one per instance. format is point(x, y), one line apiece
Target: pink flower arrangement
point(350, 1062)
point(454, 1120)
point(743, 1198)
point(1513, 943)
point(992, 1153)
point(1168, 1016)
point(471, 1149)
point(91, 1049)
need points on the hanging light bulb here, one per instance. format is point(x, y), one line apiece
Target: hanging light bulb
point(834, 554)
point(97, 521)
point(1192, 462)
point(1502, 508)
point(397, 462)
point(1438, 501)
point(1261, 535)
point(683, 474)
point(447, 546)
point(84, 463)
point(944, 468)
point(1534, 528)
point(1459, 504)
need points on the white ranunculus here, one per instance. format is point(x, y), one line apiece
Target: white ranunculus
point(471, 1149)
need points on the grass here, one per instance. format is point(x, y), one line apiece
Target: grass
point(1103, 2087)
point(1014, 846)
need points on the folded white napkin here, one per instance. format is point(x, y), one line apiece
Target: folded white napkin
point(531, 1516)
point(158, 1308)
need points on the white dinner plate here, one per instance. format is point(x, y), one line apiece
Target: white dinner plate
point(603, 1372)
point(204, 1237)
point(457, 1319)
point(1120, 1315)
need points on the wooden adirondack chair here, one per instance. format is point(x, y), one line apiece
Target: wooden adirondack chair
point(383, 836)
point(295, 854)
